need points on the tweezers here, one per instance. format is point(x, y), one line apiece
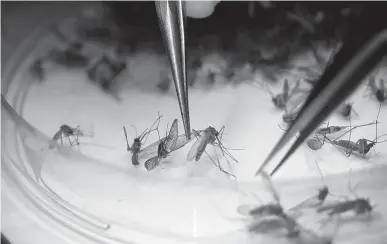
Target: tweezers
point(171, 16)
point(359, 54)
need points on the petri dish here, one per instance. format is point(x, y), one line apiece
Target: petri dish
point(91, 193)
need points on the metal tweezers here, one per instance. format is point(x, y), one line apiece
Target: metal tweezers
point(360, 53)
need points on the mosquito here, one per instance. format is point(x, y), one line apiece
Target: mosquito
point(138, 141)
point(209, 136)
point(316, 143)
point(361, 146)
point(307, 20)
point(289, 116)
point(71, 56)
point(67, 131)
point(378, 90)
point(104, 72)
point(266, 216)
point(165, 146)
point(280, 99)
point(334, 129)
point(271, 217)
point(359, 205)
point(37, 69)
point(347, 109)
point(316, 200)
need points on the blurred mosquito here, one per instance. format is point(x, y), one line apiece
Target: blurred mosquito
point(316, 200)
point(307, 20)
point(37, 69)
point(70, 57)
point(104, 72)
point(68, 132)
point(379, 91)
point(280, 100)
point(209, 136)
point(165, 146)
point(359, 205)
point(346, 110)
point(138, 141)
point(271, 216)
point(291, 113)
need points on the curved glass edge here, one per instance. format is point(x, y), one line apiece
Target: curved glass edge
point(21, 142)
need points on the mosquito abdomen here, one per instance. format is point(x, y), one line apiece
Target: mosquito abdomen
point(201, 149)
point(135, 158)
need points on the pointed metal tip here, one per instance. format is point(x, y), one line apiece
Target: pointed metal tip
point(171, 19)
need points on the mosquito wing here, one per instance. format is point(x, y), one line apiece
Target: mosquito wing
point(319, 229)
point(194, 149)
point(307, 203)
point(172, 136)
point(152, 163)
point(180, 142)
point(372, 83)
point(268, 225)
point(151, 150)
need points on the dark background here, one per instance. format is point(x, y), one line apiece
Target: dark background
point(230, 16)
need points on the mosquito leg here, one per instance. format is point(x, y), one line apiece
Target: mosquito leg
point(126, 137)
point(68, 138)
point(153, 129)
point(219, 166)
point(355, 127)
point(221, 132)
point(135, 129)
point(158, 133)
point(220, 146)
point(350, 133)
point(316, 136)
point(352, 189)
point(325, 136)
point(224, 151)
point(376, 125)
point(76, 139)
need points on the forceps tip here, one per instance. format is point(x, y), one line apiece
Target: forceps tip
point(171, 15)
